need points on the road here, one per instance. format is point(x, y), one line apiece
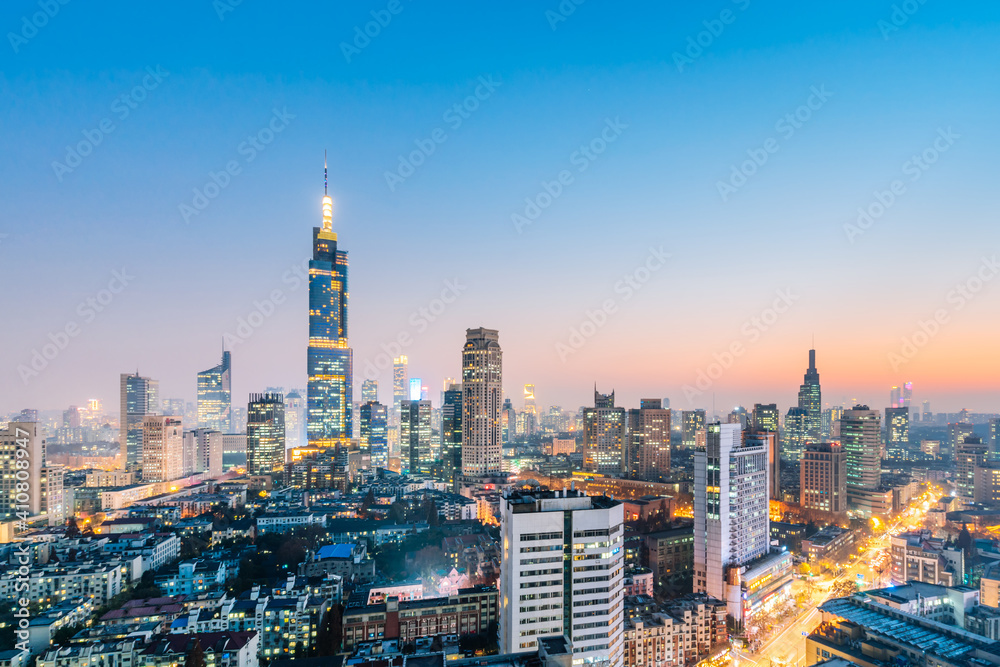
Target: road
point(788, 647)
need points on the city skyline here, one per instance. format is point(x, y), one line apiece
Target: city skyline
point(888, 94)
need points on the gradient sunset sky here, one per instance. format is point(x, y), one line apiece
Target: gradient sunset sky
point(885, 86)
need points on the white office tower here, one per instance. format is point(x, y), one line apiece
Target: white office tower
point(561, 574)
point(731, 522)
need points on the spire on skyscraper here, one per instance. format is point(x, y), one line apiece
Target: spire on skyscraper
point(327, 201)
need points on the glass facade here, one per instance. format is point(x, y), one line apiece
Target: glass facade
point(329, 359)
point(374, 433)
point(215, 403)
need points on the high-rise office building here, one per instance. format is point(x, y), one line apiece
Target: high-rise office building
point(731, 518)
point(215, 400)
point(295, 420)
point(415, 437)
point(793, 436)
point(400, 380)
point(451, 434)
point(162, 448)
point(810, 400)
point(739, 416)
point(375, 433)
point(956, 435)
point(823, 477)
point(604, 436)
point(205, 448)
point(369, 391)
point(860, 436)
point(970, 454)
point(692, 421)
point(482, 388)
point(897, 428)
point(649, 441)
point(266, 434)
point(765, 417)
point(508, 422)
point(544, 590)
point(831, 422)
point(29, 486)
point(329, 358)
point(139, 397)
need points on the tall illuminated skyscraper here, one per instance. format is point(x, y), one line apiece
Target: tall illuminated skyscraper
point(860, 436)
point(400, 381)
point(810, 400)
point(215, 404)
point(692, 421)
point(415, 388)
point(369, 391)
point(451, 434)
point(731, 517)
point(139, 397)
point(374, 432)
point(329, 359)
point(482, 374)
point(266, 434)
point(415, 437)
point(604, 436)
point(649, 441)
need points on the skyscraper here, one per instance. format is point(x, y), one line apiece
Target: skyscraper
point(451, 434)
point(823, 478)
point(604, 436)
point(295, 420)
point(266, 434)
point(374, 433)
point(897, 428)
point(994, 439)
point(544, 591)
point(482, 380)
point(205, 449)
point(28, 485)
point(810, 401)
point(649, 441)
point(162, 448)
point(793, 437)
point(765, 417)
point(731, 518)
point(139, 397)
point(508, 422)
point(215, 404)
point(369, 391)
point(692, 421)
point(969, 454)
point(329, 358)
point(415, 437)
point(400, 380)
point(860, 436)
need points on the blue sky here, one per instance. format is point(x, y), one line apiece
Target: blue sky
point(891, 92)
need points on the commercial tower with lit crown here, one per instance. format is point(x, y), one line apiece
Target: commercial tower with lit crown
point(810, 400)
point(329, 360)
point(482, 371)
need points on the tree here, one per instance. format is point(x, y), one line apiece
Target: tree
point(397, 512)
point(72, 529)
point(195, 655)
point(330, 633)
